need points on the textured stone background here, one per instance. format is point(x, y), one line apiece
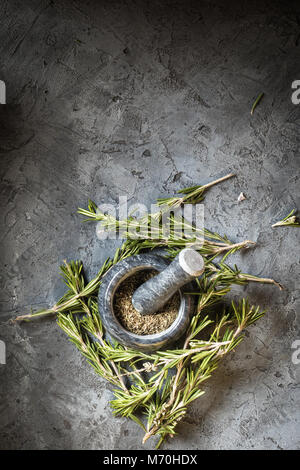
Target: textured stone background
point(139, 99)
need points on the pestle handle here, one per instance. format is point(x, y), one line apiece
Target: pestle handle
point(154, 293)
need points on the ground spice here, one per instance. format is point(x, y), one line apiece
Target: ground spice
point(131, 319)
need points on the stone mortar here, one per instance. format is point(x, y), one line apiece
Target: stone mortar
point(112, 280)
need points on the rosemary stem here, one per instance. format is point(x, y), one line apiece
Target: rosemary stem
point(219, 180)
point(234, 245)
point(263, 280)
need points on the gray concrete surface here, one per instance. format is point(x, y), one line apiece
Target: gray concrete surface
point(139, 99)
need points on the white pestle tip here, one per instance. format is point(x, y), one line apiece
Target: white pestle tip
point(191, 262)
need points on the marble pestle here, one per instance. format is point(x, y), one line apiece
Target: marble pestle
point(154, 293)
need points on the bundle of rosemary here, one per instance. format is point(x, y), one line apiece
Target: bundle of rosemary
point(155, 389)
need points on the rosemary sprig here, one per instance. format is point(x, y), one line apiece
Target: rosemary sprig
point(195, 364)
point(192, 195)
point(235, 276)
point(290, 220)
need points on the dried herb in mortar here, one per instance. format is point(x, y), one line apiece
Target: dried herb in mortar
point(131, 319)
